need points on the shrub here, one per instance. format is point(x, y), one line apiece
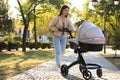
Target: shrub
point(46, 45)
point(39, 44)
point(32, 45)
point(18, 43)
point(17, 38)
point(50, 38)
point(12, 45)
point(27, 44)
point(42, 45)
point(3, 45)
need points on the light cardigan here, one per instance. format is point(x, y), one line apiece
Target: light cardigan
point(56, 24)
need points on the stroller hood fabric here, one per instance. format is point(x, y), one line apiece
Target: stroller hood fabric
point(90, 33)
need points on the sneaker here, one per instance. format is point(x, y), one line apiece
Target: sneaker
point(56, 68)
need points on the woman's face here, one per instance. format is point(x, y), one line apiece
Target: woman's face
point(65, 11)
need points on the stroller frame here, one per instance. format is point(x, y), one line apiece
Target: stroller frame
point(83, 66)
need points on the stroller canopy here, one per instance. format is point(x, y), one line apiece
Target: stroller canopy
point(90, 33)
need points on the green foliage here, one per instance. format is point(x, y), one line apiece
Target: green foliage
point(3, 45)
point(44, 13)
point(45, 45)
point(32, 45)
point(57, 3)
point(114, 22)
point(116, 38)
point(79, 23)
point(9, 45)
point(43, 21)
point(28, 12)
point(12, 45)
point(17, 44)
point(96, 16)
point(42, 45)
point(6, 24)
point(85, 12)
point(50, 38)
point(7, 38)
point(17, 38)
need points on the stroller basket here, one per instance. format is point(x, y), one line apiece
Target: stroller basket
point(90, 47)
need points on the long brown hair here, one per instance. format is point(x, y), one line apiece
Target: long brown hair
point(62, 8)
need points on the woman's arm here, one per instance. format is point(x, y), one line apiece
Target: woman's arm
point(52, 24)
point(72, 28)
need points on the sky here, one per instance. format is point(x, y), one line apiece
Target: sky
point(13, 3)
point(13, 11)
point(77, 3)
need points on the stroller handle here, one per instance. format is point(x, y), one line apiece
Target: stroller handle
point(68, 31)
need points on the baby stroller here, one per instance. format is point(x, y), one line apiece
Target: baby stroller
point(90, 38)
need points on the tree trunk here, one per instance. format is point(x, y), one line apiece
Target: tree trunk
point(35, 36)
point(25, 28)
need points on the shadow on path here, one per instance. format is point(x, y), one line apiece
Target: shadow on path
point(72, 77)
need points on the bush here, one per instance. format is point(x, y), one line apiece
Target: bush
point(9, 45)
point(3, 45)
point(12, 45)
point(17, 44)
point(39, 44)
point(32, 45)
point(42, 45)
point(50, 38)
point(17, 38)
point(45, 45)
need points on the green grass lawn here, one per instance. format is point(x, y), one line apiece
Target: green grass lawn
point(115, 61)
point(110, 56)
point(14, 62)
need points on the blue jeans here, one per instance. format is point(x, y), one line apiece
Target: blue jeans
point(60, 46)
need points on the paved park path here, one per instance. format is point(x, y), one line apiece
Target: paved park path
point(46, 70)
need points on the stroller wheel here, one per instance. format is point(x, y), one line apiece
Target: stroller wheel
point(99, 73)
point(64, 70)
point(87, 75)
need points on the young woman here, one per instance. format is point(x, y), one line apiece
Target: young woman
point(59, 39)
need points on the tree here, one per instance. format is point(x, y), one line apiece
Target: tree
point(6, 26)
point(44, 14)
point(26, 21)
point(57, 3)
point(96, 16)
point(26, 14)
point(112, 20)
point(115, 25)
